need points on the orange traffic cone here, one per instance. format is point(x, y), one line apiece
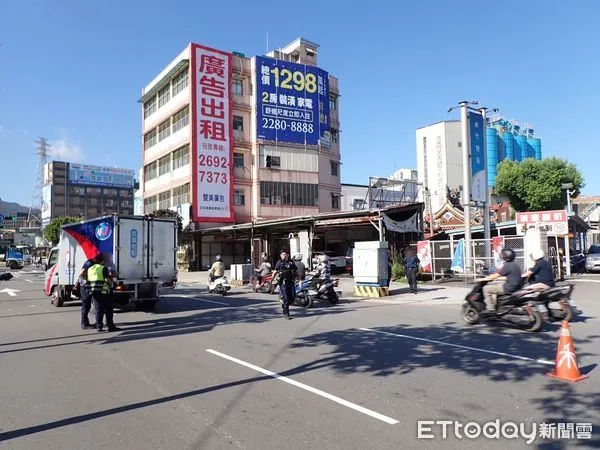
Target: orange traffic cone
point(566, 361)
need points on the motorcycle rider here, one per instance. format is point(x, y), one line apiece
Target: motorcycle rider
point(288, 271)
point(541, 273)
point(301, 267)
point(510, 273)
point(217, 270)
point(263, 270)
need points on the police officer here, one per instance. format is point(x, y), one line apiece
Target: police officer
point(288, 272)
point(86, 297)
point(98, 278)
point(411, 266)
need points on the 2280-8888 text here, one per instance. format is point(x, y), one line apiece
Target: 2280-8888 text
point(300, 127)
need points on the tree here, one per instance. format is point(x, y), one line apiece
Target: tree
point(536, 185)
point(52, 230)
point(168, 213)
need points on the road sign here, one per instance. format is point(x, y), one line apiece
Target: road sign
point(555, 222)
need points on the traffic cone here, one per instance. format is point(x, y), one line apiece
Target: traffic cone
point(566, 362)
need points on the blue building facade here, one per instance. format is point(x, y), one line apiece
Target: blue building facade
point(507, 140)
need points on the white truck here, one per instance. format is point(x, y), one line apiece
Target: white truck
point(141, 250)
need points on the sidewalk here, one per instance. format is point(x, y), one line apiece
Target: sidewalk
point(399, 292)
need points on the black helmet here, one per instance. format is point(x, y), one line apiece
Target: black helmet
point(508, 254)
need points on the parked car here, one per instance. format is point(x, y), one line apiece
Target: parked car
point(336, 262)
point(592, 259)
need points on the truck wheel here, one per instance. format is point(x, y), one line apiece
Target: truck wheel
point(13, 265)
point(58, 300)
point(146, 306)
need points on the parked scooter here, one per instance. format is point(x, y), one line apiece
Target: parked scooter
point(219, 285)
point(519, 308)
point(325, 289)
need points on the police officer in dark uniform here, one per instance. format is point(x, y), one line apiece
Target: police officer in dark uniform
point(288, 272)
point(411, 266)
point(86, 295)
point(99, 279)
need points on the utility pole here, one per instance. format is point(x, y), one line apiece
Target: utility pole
point(466, 163)
point(42, 152)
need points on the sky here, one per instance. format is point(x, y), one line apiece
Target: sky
point(72, 72)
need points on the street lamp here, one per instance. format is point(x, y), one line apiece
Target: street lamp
point(567, 187)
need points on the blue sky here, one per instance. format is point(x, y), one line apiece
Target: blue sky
point(72, 71)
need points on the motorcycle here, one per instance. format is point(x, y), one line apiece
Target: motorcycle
point(325, 289)
point(266, 285)
point(219, 285)
point(304, 294)
point(555, 304)
point(519, 308)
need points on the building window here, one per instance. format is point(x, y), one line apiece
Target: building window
point(150, 139)
point(239, 197)
point(164, 130)
point(181, 157)
point(335, 201)
point(238, 123)
point(181, 195)
point(164, 96)
point(335, 168)
point(238, 160)
point(150, 204)
point(93, 201)
point(358, 204)
point(164, 200)
point(180, 82)
point(109, 202)
point(76, 190)
point(180, 119)
point(283, 193)
point(150, 107)
point(126, 204)
point(334, 136)
point(150, 171)
point(110, 192)
point(332, 104)
point(237, 86)
point(164, 165)
point(459, 144)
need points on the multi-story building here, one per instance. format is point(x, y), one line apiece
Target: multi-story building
point(268, 127)
point(439, 155)
point(80, 190)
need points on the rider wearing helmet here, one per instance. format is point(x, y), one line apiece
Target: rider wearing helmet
point(301, 267)
point(541, 273)
point(510, 273)
point(217, 270)
point(264, 269)
point(322, 271)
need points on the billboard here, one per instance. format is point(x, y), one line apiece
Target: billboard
point(100, 176)
point(478, 158)
point(212, 135)
point(46, 204)
point(292, 102)
point(554, 222)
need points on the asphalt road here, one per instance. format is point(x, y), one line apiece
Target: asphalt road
point(212, 372)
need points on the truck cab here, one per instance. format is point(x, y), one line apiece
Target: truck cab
point(51, 273)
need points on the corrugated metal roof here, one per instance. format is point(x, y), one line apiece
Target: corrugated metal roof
point(164, 80)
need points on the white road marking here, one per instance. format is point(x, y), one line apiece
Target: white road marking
point(585, 281)
point(464, 347)
point(10, 292)
point(29, 281)
point(199, 299)
point(331, 397)
point(16, 275)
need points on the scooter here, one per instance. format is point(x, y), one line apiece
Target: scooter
point(325, 288)
point(266, 285)
point(519, 308)
point(555, 304)
point(304, 294)
point(219, 285)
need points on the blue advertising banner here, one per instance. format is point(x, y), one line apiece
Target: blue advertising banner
point(458, 260)
point(292, 102)
point(478, 157)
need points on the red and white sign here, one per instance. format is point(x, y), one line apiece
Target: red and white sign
point(212, 135)
point(424, 255)
point(555, 222)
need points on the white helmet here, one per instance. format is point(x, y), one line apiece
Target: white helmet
point(323, 258)
point(298, 257)
point(537, 254)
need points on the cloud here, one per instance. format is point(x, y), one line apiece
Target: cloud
point(65, 150)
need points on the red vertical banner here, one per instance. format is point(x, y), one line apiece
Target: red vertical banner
point(424, 255)
point(212, 135)
point(497, 247)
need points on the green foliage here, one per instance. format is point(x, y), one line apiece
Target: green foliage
point(397, 269)
point(52, 230)
point(168, 213)
point(534, 185)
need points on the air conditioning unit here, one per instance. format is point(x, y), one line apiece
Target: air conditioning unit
point(272, 161)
